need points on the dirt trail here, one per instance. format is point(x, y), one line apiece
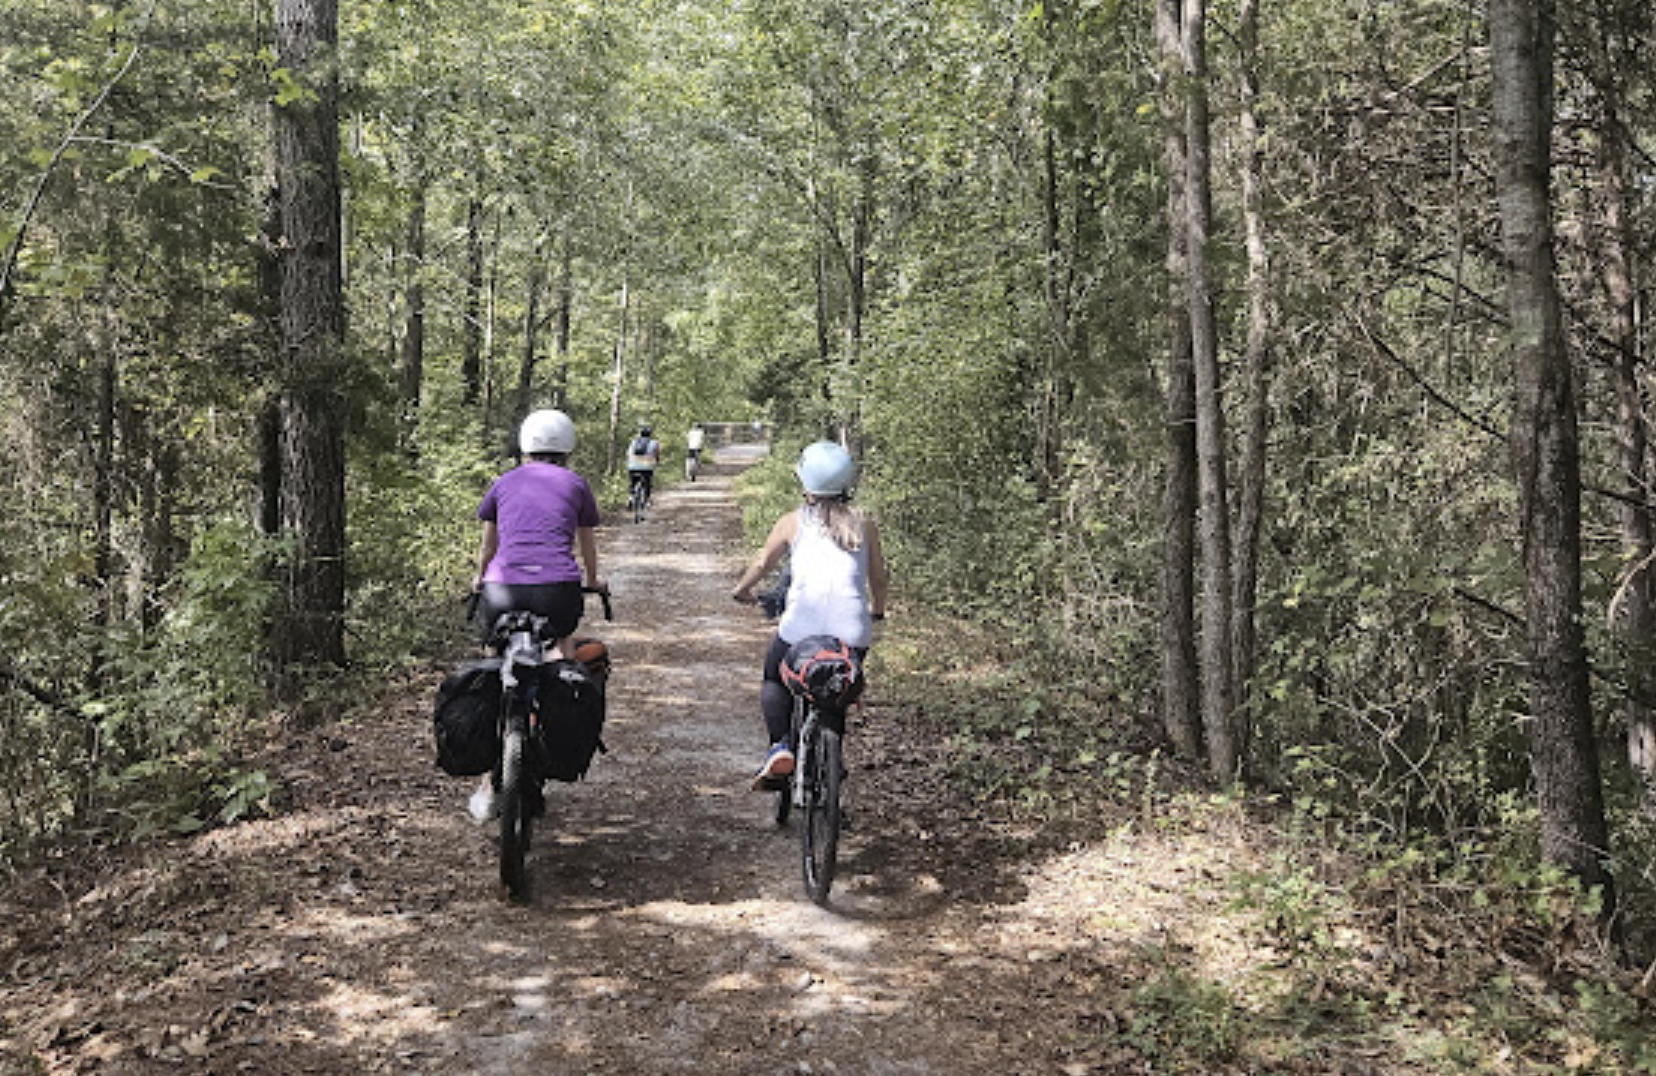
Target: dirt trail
point(361, 930)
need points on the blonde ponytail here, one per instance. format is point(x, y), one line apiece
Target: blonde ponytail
point(841, 519)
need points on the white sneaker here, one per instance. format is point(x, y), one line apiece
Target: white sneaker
point(482, 804)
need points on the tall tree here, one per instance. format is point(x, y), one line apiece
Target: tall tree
point(1545, 448)
point(1611, 56)
point(1181, 691)
point(411, 365)
point(310, 628)
point(1217, 665)
point(1256, 370)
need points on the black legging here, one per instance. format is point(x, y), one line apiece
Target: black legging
point(560, 603)
point(775, 700)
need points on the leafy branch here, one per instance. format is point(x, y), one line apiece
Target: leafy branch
point(14, 248)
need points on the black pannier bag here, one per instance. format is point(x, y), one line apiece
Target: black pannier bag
point(570, 705)
point(467, 719)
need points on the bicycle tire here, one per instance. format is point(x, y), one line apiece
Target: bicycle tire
point(516, 821)
point(823, 758)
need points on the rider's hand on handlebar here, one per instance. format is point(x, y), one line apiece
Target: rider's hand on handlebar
point(744, 595)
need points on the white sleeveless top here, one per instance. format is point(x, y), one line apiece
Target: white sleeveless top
point(828, 593)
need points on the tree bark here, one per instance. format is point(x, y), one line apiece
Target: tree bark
point(310, 629)
point(1046, 391)
point(1217, 667)
point(536, 287)
point(471, 330)
point(1181, 691)
point(412, 365)
point(618, 375)
point(562, 324)
point(1250, 509)
point(1545, 450)
point(1633, 613)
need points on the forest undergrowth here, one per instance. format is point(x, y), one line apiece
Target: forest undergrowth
point(1432, 956)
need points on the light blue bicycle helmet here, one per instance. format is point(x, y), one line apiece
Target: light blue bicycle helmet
point(825, 469)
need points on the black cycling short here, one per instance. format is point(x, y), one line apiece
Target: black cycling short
point(560, 603)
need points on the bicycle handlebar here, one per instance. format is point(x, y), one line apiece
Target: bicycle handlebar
point(604, 596)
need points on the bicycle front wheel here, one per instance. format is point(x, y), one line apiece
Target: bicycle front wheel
point(516, 818)
point(820, 828)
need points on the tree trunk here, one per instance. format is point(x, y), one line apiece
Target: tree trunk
point(1181, 692)
point(1046, 390)
point(311, 626)
point(1250, 507)
point(531, 330)
point(824, 315)
point(617, 375)
point(471, 329)
point(1545, 451)
point(1218, 691)
point(412, 366)
point(562, 325)
point(158, 500)
point(1634, 610)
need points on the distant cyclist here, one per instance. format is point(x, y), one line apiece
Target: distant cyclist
point(693, 450)
point(643, 457)
point(837, 584)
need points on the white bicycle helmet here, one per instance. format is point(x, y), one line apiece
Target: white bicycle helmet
point(825, 469)
point(547, 432)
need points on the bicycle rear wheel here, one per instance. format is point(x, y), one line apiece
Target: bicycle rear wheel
point(822, 758)
point(516, 816)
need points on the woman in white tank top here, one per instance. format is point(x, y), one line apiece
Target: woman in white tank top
point(838, 584)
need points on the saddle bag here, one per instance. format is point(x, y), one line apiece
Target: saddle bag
point(570, 707)
point(466, 719)
point(824, 670)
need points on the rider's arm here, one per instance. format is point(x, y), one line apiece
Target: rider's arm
point(586, 538)
point(776, 546)
point(486, 552)
point(877, 574)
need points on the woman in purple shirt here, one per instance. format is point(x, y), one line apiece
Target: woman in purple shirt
point(536, 518)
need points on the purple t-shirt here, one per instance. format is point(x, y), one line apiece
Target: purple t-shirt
point(537, 508)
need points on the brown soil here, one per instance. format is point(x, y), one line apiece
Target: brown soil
point(361, 929)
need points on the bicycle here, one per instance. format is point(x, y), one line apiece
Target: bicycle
point(525, 761)
point(638, 497)
point(825, 678)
